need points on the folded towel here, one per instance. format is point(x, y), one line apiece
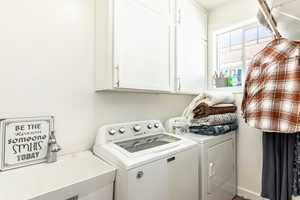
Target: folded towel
point(214, 130)
point(211, 99)
point(215, 119)
point(203, 110)
point(224, 105)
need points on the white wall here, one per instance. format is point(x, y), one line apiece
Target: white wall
point(47, 68)
point(249, 140)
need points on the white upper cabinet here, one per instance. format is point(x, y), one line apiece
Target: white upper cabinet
point(136, 44)
point(140, 56)
point(191, 47)
point(142, 48)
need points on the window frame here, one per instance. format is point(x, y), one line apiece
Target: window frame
point(245, 25)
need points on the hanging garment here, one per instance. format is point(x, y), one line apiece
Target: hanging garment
point(271, 99)
point(296, 170)
point(287, 17)
point(278, 159)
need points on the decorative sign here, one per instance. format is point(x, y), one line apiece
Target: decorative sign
point(24, 141)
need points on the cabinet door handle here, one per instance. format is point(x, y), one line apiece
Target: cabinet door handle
point(179, 84)
point(211, 169)
point(179, 16)
point(171, 159)
point(117, 75)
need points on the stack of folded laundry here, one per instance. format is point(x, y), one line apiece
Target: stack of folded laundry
point(212, 114)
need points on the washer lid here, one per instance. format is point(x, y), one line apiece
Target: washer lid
point(148, 142)
point(114, 153)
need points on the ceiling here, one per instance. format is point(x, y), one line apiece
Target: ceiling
point(210, 4)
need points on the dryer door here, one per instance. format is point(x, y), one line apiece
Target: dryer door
point(221, 176)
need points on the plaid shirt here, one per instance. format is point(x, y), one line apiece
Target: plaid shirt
point(272, 91)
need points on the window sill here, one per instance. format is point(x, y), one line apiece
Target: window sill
point(234, 90)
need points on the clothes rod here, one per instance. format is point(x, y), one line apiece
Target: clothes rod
point(269, 18)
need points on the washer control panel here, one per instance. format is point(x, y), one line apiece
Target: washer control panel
point(131, 129)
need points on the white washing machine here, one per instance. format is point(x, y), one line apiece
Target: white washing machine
point(151, 164)
point(217, 165)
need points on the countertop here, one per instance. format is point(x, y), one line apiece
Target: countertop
point(34, 181)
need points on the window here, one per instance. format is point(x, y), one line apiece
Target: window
point(234, 51)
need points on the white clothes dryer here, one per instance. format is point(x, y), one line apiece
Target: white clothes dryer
point(217, 165)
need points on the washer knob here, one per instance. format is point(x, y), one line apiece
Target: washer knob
point(112, 131)
point(156, 125)
point(122, 130)
point(150, 126)
point(137, 128)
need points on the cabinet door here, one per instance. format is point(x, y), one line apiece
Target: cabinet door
point(191, 48)
point(183, 175)
point(204, 24)
point(142, 44)
point(221, 175)
point(148, 182)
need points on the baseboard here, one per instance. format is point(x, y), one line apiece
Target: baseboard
point(247, 194)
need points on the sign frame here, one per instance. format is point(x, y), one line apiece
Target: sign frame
point(5, 123)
